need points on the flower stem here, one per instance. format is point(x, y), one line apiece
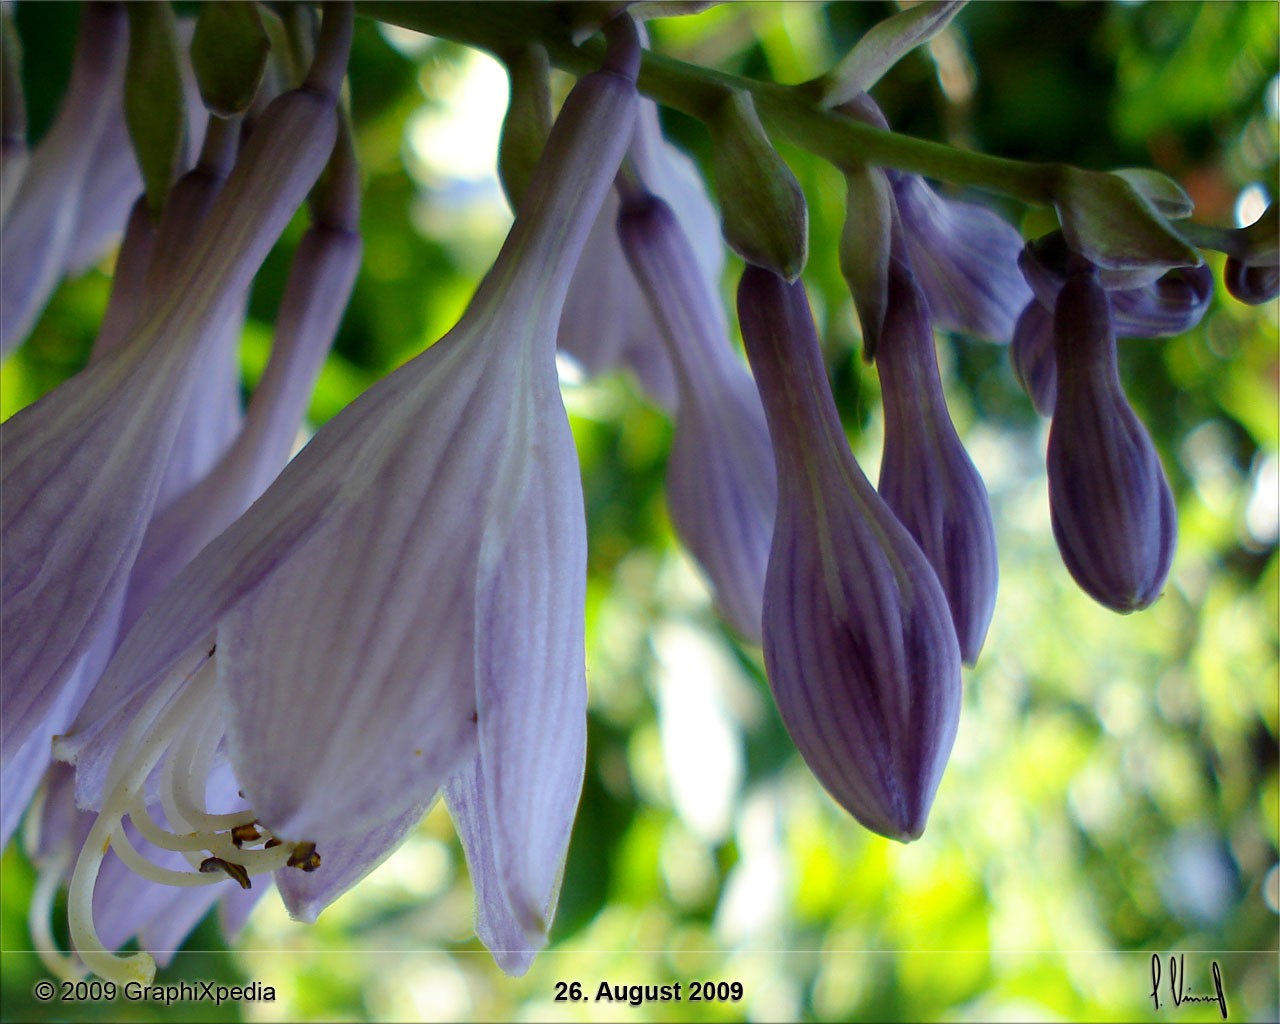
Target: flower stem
point(791, 113)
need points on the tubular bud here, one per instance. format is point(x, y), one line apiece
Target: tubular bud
point(859, 645)
point(1110, 505)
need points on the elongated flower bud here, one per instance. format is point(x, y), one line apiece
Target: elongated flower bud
point(926, 476)
point(721, 487)
point(1112, 511)
point(865, 245)
point(858, 642)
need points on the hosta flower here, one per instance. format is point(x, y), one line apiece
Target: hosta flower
point(40, 221)
point(926, 476)
point(1252, 283)
point(1172, 303)
point(83, 466)
point(403, 607)
point(1112, 511)
point(858, 641)
point(721, 486)
point(607, 321)
point(964, 257)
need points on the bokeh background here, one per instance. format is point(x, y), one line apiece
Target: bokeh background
point(1113, 791)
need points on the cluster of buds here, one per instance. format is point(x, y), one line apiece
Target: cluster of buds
point(220, 664)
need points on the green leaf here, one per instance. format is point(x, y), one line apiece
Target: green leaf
point(229, 53)
point(154, 107)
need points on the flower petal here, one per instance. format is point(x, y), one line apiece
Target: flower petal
point(966, 260)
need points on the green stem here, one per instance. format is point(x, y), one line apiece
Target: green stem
point(788, 112)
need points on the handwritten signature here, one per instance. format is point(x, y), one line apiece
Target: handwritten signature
point(1177, 977)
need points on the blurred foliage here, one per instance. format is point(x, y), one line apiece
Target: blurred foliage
point(1113, 790)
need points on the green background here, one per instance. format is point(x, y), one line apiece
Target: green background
point(1113, 791)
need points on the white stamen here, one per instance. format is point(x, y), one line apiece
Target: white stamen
point(181, 725)
point(40, 915)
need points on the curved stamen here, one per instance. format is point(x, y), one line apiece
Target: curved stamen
point(180, 725)
point(40, 919)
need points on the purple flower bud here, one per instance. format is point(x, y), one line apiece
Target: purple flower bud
point(721, 487)
point(926, 476)
point(1112, 511)
point(1034, 362)
point(1251, 283)
point(858, 641)
point(607, 322)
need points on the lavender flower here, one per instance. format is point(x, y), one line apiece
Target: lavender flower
point(926, 476)
point(963, 255)
point(607, 320)
point(427, 545)
point(721, 487)
point(40, 220)
point(1112, 511)
point(1172, 303)
point(858, 641)
point(83, 466)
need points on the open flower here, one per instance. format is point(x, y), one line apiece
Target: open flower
point(858, 641)
point(926, 476)
point(40, 220)
point(1112, 511)
point(402, 608)
point(964, 257)
point(82, 468)
point(721, 486)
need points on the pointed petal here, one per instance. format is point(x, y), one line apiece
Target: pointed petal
point(344, 862)
point(966, 260)
point(530, 669)
point(496, 925)
point(40, 221)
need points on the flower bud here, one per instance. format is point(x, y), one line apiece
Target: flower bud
point(926, 476)
point(1112, 511)
point(229, 52)
point(1252, 284)
point(765, 218)
point(858, 641)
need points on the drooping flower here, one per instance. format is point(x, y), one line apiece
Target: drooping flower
point(1172, 303)
point(607, 322)
point(721, 485)
point(40, 221)
point(1111, 508)
point(926, 476)
point(402, 607)
point(859, 645)
point(83, 466)
point(963, 255)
